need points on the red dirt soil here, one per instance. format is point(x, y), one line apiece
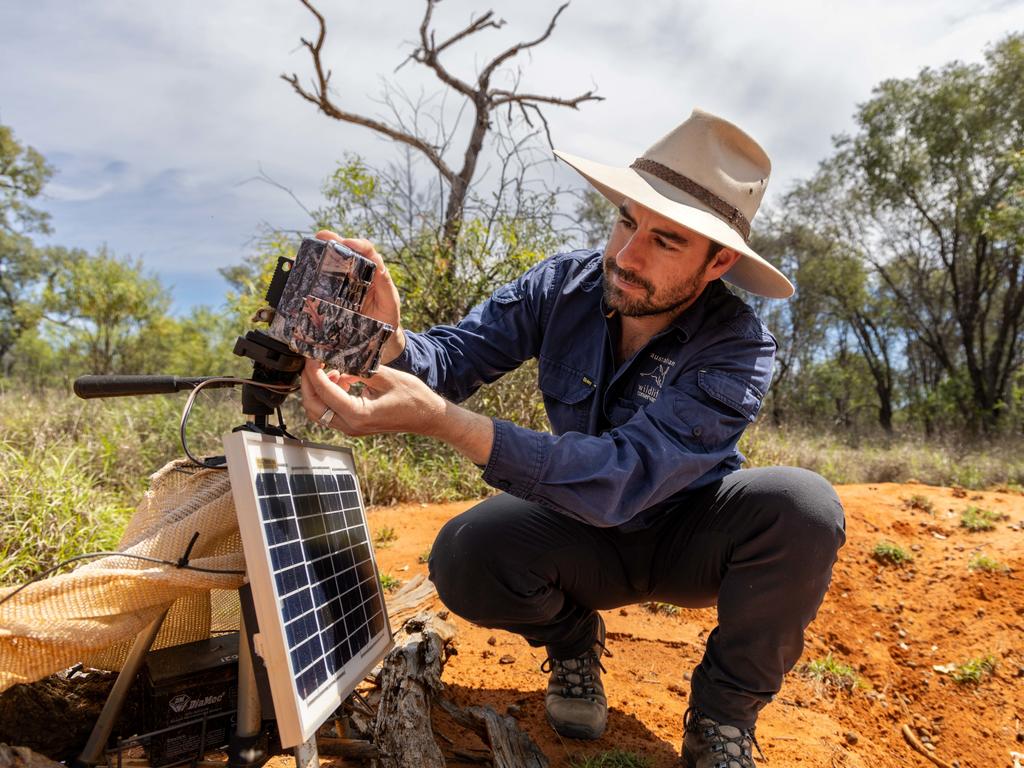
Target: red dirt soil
point(891, 624)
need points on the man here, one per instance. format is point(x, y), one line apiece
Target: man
point(650, 369)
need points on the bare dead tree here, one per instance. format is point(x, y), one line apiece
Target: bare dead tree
point(482, 99)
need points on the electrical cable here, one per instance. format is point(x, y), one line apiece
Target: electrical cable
point(146, 558)
point(279, 388)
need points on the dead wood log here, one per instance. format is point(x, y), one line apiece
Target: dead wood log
point(350, 749)
point(23, 757)
point(410, 680)
point(512, 747)
point(415, 596)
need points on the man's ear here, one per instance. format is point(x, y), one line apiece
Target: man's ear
point(722, 263)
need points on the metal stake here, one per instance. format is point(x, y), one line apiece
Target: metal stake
point(92, 754)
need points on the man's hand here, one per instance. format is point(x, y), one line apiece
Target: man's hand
point(393, 401)
point(381, 302)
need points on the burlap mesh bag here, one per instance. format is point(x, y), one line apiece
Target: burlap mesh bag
point(92, 614)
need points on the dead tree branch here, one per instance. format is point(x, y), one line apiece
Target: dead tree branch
point(480, 96)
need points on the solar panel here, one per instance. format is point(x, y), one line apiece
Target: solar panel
point(316, 590)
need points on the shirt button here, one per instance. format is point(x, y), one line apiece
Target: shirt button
point(696, 431)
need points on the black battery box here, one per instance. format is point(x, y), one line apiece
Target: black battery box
point(190, 699)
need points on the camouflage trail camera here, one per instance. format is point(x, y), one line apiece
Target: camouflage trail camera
point(317, 300)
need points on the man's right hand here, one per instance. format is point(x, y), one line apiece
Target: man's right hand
point(381, 302)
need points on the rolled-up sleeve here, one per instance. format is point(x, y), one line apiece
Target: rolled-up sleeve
point(495, 337)
point(665, 448)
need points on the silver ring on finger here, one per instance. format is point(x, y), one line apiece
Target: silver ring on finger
point(326, 418)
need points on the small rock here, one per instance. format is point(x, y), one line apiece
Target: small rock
point(486, 654)
point(623, 612)
point(851, 737)
point(492, 640)
point(507, 659)
point(687, 676)
point(929, 746)
point(877, 635)
point(677, 689)
point(902, 633)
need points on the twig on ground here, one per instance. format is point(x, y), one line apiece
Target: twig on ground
point(914, 742)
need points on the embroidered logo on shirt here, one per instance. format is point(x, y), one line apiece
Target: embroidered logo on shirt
point(658, 374)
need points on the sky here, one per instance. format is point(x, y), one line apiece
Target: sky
point(160, 117)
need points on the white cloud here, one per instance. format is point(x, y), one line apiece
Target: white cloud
point(155, 113)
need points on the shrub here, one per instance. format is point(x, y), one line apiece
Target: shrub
point(890, 553)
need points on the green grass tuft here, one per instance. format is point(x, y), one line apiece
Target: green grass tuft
point(832, 673)
point(977, 519)
point(666, 608)
point(389, 582)
point(385, 537)
point(973, 671)
point(424, 557)
point(613, 758)
point(982, 562)
point(890, 553)
point(921, 502)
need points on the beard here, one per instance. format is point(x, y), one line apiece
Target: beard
point(651, 303)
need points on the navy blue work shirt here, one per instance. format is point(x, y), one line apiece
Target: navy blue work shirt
point(630, 442)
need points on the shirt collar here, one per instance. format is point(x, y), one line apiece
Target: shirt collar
point(690, 321)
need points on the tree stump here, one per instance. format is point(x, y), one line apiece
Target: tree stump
point(410, 680)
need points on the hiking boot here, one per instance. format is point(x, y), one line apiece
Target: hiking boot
point(575, 701)
point(709, 744)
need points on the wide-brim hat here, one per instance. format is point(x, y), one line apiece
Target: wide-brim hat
point(708, 176)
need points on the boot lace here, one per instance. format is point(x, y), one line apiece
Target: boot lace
point(576, 675)
point(712, 733)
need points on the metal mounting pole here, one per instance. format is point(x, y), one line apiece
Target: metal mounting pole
point(244, 747)
point(92, 754)
point(306, 755)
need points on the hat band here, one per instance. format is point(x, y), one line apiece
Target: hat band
point(732, 215)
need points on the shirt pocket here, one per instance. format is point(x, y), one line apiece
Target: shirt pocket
point(509, 293)
point(731, 390)
point(732, 405)
point(567, 395)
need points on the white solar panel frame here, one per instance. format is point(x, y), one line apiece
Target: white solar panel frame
point(250, 453)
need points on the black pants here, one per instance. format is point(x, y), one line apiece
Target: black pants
point(760, 543)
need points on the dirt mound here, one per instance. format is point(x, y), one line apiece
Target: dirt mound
point(891, 625)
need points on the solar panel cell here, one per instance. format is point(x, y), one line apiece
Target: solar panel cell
point(323, 571)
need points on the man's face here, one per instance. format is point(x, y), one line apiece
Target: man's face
point(652, 265)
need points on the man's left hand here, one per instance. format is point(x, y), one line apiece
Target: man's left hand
point(393, 401)
point(388, 401)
